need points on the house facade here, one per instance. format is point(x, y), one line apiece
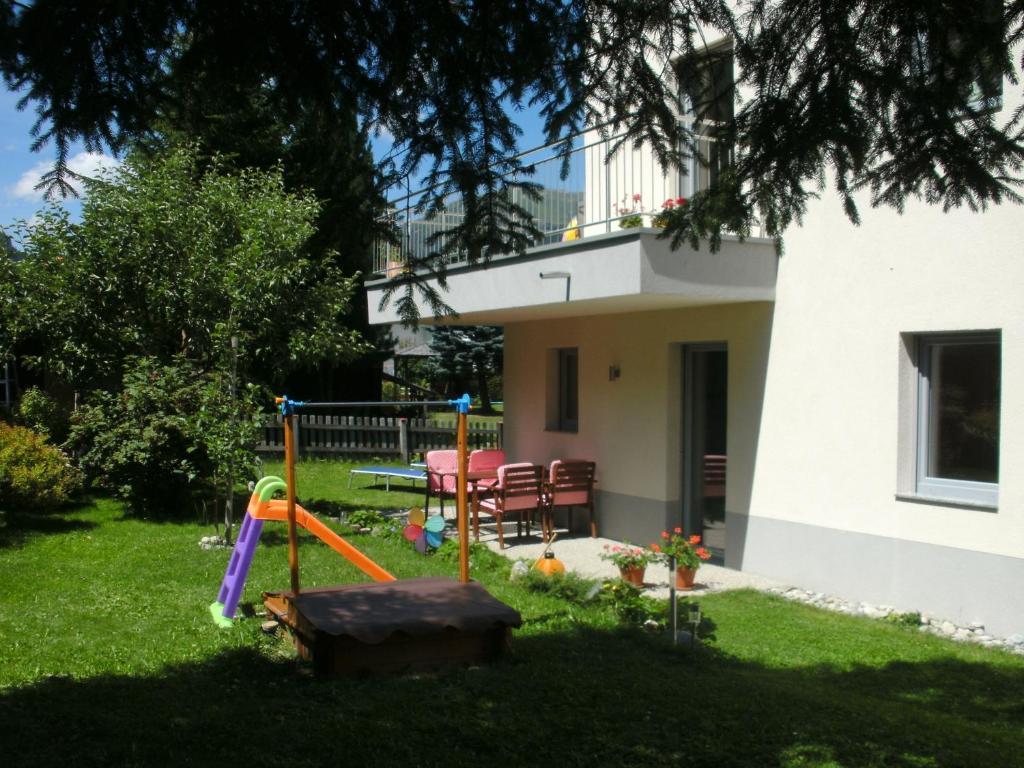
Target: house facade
point(846, 417)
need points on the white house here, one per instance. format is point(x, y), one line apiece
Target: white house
point(867, 388)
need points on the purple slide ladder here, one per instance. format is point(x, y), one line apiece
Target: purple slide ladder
point(238, 568)
point(223, 610)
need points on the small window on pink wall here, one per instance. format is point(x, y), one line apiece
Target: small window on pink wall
point(563, 390)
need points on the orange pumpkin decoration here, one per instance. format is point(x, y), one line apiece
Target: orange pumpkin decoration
point(549, 565)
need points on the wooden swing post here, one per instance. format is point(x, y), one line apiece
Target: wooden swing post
point(460, 494)
point(289, 460)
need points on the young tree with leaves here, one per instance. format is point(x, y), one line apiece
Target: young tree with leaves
point(175, 258)
point(136, 308)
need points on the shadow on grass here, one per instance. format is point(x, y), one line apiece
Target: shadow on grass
point(569, 698)
point(18, 527)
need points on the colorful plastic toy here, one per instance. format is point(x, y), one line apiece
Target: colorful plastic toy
point(262, 506)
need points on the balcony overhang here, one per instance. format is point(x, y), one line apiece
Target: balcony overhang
point(628, 271)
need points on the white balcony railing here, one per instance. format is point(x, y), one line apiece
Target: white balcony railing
point(598, 195)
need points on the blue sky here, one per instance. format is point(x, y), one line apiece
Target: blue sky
point(20, 167)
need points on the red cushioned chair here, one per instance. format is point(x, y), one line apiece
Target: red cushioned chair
point(570, 484)
point(520, 488)
point(441, 469)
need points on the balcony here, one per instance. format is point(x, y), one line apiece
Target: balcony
point(586, 260)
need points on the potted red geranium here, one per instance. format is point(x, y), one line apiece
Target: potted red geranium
point(688, 554)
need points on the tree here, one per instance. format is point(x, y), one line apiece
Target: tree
point(225, 102)
point(7, 247)
point(138, 307)
point(174, 260)
point(469, 351)
point(881, 94)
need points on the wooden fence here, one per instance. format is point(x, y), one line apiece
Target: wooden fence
point(375, 435)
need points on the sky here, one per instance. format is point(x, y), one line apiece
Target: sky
point(20, 167)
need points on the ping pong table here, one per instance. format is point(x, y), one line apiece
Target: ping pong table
point(387, 473)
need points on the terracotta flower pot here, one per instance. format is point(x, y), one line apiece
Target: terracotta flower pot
point(633, 575)
point(685, 577)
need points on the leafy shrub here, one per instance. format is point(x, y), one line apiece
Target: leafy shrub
point(481, 559)
point(389, 528)
point(364, 518)
point(912, 619)
point(567, 586)
point(380, 525)
point(34, 473)
point(631, 605)
point(166, 436)
point(42, 413)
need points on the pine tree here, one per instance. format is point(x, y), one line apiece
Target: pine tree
point(873, 95)
point(469, 352)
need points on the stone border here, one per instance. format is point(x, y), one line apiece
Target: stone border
point(933, 625)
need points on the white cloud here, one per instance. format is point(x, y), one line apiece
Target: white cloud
point(87, 164)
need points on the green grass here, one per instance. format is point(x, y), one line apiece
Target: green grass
point(108, 657)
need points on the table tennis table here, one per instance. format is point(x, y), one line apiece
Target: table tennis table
point(387, 473)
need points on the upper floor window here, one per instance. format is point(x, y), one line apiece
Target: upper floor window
point(941, 56)
point(708, 87)
point(708, 95)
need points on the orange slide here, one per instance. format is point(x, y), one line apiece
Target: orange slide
point(278, 510)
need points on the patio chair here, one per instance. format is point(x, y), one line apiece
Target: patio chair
point(485, 460)
point(570, 484)
point(520, 488)
point(441, 469)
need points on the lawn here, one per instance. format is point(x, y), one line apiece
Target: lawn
point(108, 657)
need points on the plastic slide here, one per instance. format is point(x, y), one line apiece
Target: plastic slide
point(262, 507)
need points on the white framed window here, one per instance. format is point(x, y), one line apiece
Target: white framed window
point(958, 403)
point(563, 390)
point(708, 95)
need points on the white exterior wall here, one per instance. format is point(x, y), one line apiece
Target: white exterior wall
point(837, 433)
point(828, 469)
point(844, 296)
